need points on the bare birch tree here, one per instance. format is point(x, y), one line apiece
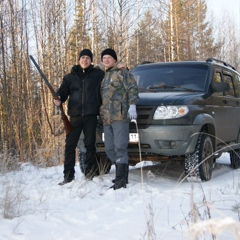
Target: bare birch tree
point(119, 23)
point(227, 35)
point(51, 51)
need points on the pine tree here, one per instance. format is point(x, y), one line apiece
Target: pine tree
point(78, 37)
point(192, 35)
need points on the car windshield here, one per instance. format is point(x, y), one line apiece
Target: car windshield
point(187, 77)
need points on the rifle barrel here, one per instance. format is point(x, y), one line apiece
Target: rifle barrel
point(67, 124)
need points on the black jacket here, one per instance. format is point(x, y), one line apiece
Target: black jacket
point(83, 90)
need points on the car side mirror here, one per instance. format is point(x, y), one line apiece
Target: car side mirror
point(220, 87)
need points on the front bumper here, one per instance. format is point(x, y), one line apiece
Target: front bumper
point(161, 140)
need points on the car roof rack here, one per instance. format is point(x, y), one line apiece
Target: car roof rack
point(146, 62)
point(219, 61)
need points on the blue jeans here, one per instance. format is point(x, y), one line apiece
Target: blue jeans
point(116, 142)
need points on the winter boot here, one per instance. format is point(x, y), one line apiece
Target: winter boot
point(113, 181)
point(120, 180)
point(65, 181)
point(68, 177)
point(127, 171)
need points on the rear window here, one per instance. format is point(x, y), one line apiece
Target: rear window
point(185, 76)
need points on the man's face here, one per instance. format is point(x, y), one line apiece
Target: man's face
point(108, 61)
point(85, 61)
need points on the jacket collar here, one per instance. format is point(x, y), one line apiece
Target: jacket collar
point(112, 68)
point(79, 70)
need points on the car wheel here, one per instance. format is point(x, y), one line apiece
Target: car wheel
point(82, 160)
point(104, 164)
point(199, 164)
point(235, 158)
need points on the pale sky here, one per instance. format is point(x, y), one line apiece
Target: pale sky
point(229, 6)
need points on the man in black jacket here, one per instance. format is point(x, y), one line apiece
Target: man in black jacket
point(82, 87)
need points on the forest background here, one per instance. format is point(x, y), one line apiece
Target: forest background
point(55, 31)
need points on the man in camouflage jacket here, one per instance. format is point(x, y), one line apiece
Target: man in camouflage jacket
point(119, 93)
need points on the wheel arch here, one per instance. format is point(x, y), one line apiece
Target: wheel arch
point(208, 126)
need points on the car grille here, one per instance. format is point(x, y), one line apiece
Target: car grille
point(145, 116)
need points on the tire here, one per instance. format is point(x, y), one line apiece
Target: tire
point(82, 158)
point(200, 163)
point(235, 158)
point(103, 163)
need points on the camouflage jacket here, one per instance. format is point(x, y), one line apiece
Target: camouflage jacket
point(118, 90)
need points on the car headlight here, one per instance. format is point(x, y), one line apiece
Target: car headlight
point(169, 112)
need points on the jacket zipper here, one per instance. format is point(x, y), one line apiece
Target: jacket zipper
point(82, 95)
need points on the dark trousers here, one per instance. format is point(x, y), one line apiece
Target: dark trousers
point(88, 125)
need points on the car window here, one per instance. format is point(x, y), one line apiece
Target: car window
point(224, 77)
point(185, 76)
point(236, 82)
point(228, 79)
point(217, 78)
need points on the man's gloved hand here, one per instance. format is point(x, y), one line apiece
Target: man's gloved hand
point(132, 112)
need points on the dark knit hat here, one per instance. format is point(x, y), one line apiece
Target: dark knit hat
point(86, 52)
point(110, 52)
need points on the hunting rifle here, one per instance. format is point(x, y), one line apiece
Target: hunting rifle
point(67, 124)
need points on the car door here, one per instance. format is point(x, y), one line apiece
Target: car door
point(221, 105)
point(235, 114)
point(233, 104)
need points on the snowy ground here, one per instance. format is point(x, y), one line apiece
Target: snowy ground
point(156, 204)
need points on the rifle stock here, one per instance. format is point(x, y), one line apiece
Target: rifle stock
point(67, 124)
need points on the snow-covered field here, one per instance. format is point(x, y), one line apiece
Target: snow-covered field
point(157, 204)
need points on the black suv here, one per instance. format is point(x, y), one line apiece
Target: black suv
point(187, 111)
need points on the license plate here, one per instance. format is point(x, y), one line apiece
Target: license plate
point(133, 137)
